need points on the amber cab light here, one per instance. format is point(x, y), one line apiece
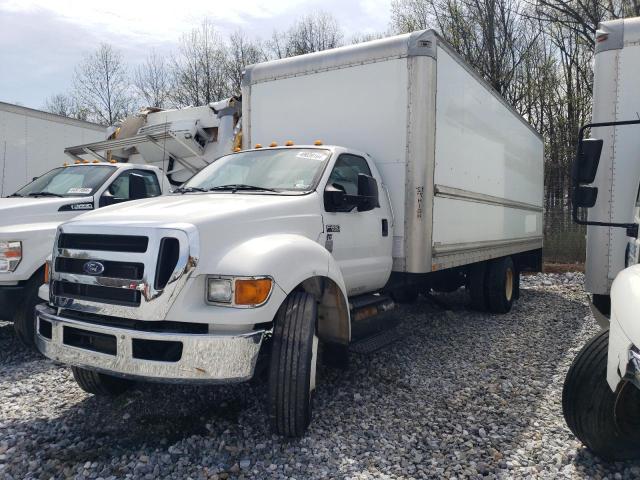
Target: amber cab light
point(252, 291)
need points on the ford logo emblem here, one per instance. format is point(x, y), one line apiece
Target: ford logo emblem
point(93, 268)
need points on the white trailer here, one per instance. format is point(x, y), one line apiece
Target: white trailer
point(463, 169)
point(32, 142)
point(377, 171)
point(601, 396)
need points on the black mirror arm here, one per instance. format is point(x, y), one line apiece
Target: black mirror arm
point(632, 228)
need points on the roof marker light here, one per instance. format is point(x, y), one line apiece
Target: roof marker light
point(317, 142)
point(237, 149)
point(258, 145)
point(273, 144)
point(289, 143)
point(77, 162)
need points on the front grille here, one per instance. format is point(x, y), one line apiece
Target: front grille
point(164, 326)
point(106, 243)
point(95, 293)
point(129, 270)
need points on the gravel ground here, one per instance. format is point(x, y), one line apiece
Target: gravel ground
point(460, 395)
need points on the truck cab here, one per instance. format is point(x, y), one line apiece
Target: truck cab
point(31, 215)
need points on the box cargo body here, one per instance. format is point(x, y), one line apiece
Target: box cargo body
point(464, 171)
point(32, 142)
point(615, 98)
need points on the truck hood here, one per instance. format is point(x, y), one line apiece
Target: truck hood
point(202, 210)
point(16, 211)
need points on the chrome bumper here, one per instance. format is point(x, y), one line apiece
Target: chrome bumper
point(206, 358)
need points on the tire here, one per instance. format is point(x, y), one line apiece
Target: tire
point(500, 285)
point(24, 322)
point(405, 295)
point(100, 383)
point(477, 280)
point(293, 365)
point(607, 422)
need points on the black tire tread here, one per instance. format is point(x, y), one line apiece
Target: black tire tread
point(289, 375)
point(495, 283)
point(24, 323)
point(477, 279)
point(588, 404)
point(100, 383)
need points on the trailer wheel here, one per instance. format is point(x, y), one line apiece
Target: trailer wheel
point(100, 383)
point(477, 281)
point(606, 422)
point(500, 285)
point(294, 359)
point(24, 322)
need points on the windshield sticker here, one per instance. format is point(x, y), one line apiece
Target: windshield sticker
point(312, 155)
point(301, 184)
point(79, 190)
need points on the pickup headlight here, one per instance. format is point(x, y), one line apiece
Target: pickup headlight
point(10, 255)
point(238, 291)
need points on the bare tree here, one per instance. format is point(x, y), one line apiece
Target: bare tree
point(101, 86)
point(152, 81)
point(65, 105)
point(312, 33)
point(199, 69)
point(366, 37)
point(241, 51)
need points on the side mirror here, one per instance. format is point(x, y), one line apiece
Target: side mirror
point(585, 168)
point(137, 187)
point(367, 193)
point(335, 198)
point(589, 151)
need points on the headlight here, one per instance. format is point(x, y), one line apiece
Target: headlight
point(10, 255)
point(239, 291)
point(219, 290)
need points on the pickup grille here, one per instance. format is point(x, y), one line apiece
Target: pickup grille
point(129, 270)
point(105, 243)
point(94, 293)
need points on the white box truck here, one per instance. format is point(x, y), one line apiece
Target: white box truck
point(601, 395)
point(382, 169)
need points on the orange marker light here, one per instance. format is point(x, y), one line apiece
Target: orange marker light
point(46, 272)
point(65, 164)
point(77, 162)
point(289, 143)
point(258, 145)
point(113, 161)
point(273, 144)
point(96, 161)
point(85, 161)
point(317, 142)
point(237, 149)
point(252, 292)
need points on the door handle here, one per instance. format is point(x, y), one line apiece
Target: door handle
point(385, 227)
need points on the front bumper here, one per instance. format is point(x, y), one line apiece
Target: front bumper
point(10, 298)
point(204, 357)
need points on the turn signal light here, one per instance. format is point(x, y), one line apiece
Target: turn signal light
point(252, 292)
point(46, 271)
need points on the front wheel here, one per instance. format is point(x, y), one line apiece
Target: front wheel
point(24, 323)
point(607, 422)
point(294, 360)
point(100, 383)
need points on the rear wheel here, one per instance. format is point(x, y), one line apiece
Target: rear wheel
point(477, 279)
point(100, 383)
point(500, 286)
point(24, 322)
point(294, 360)
point(607, 422)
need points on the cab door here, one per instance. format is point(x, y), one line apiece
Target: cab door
point(359, 241)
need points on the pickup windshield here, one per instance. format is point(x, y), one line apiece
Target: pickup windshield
point(76, 181)
point(272, 169)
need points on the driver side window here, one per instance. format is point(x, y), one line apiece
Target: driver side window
point(345, 172)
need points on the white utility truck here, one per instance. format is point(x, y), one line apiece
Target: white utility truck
point(32, 142)
point(29, 219)
point(601, 396)
point(376, 171)
point(181, 141)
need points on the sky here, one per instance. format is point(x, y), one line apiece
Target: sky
point(41, 41)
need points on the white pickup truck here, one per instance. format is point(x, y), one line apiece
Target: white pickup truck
point(286, 248)
point(29, 219)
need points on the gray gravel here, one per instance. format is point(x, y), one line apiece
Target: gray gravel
point(461, 395)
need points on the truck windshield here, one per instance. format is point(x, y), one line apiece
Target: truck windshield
point(273, 169)
point(76, 181)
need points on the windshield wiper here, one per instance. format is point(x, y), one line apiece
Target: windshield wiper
point(241, 186)
point(188, 189)
point(15, 195)
point(44, 194)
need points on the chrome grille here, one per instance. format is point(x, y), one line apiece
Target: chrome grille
point(140, 269)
